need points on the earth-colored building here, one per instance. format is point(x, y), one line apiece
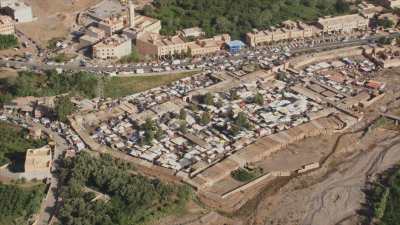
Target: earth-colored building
point(6, 25)
point(156, 45)
point(38, 159)
point(288, 30)
point(113, 47)
point(346, 23)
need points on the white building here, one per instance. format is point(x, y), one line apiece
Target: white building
point(18, 10)
point(4, 3)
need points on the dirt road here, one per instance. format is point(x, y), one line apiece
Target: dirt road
point(335, 198)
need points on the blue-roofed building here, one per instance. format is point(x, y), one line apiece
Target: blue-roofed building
point(235, 46)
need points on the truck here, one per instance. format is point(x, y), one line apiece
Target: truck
point(139, 71)
point(176, 62)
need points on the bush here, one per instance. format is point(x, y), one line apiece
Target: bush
point(131, 58)
point(63, 108)
point(385, 23)
point(8, 41)
point(205, 118)
point(51, 83)
point(259, 99)
point(384, 198)
point(207, 99)
point(245, 175)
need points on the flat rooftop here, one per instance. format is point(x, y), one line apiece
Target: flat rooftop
point(105, 9)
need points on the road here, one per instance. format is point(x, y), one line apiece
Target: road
point(48, 208)
point(147, 69)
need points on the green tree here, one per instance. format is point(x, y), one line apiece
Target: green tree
point(208, 99)
point(385, 23)
point(63, 107)
point(258, 99)
point(132, 57)
point(8, 41)
point(13, 143)
point(239, 17)
point(245, 175)
point(183, 127)
point(342, 6)
point(50, 83)
point(234, 130)
point(133, 199)
point(242, 121)
point(182, 114)
point(151, 131)
point(234, 95)
point(381, 205)
point(148, 11)
point(205, 118)
point(18, 204)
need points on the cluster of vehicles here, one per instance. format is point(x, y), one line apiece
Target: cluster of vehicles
point(265, 56)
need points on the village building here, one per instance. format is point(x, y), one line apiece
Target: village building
point(38, 159)
point(142, 24)
point(192, 32)
point(208, 46)
point(35, 133)
point(288, 30)
point(92, 36)
point(345, 23)
point(391, 3)
point(18, 10)
point(157, 46)
point(6, 25)
point(111, 25)
point(137, 24)
point(113, 47)
point(369, 10)
point(4, 3)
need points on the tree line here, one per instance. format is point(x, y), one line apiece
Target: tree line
point(238, 17)
point(384, 199)
point(18, 204)
point(50, 83)
point(134, 199)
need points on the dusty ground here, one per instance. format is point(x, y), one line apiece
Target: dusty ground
point(7, 73)
point(298, 154)
point(332, 198)
point(54, 18)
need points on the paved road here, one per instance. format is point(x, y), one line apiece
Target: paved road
point(132, 67)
